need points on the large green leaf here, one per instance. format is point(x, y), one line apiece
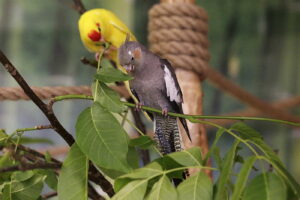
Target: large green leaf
point(190, 157)
point(226, 170)
point(150, 171)
point(29, 189)
point(266, 186)
point(133, 158)
point(196, 187)
point(109, 74)
point(242, 178)
point(6, 192)
point(163, 189)
point(134, 190)
point(100, 136)
point(108, 98)
point(72, 182)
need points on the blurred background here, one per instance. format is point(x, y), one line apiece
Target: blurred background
point(254, 43)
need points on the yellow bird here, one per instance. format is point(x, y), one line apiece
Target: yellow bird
point(97, 26)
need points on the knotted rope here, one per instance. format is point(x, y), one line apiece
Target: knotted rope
point(178, 32)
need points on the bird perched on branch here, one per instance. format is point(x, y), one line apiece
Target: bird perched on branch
point(100, 26)
point(155, 85)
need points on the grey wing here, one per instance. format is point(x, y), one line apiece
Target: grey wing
point(173, 91)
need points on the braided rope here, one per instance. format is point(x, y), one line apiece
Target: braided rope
point(178, 32)
point(16, 93)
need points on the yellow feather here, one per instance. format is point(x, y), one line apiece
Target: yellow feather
point(113, 30)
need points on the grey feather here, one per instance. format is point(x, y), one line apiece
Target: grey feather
point(155, 85)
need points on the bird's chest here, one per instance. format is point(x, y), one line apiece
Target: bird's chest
point(149, 91)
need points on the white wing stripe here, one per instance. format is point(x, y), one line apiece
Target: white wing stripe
point(172, 91)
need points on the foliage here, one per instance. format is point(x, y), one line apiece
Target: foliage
point(101, 139)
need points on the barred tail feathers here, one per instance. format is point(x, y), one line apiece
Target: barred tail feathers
point(167, 134)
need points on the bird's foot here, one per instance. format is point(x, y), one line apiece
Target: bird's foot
point(164, 112)
point(138, 106)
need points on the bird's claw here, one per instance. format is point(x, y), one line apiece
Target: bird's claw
point(138, 106)
point(164, 112)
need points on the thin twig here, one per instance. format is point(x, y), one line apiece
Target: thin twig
point(47, 110)
point(35, 153)
point(92, 63)
point(79, 6)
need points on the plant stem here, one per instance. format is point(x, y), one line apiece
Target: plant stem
point(191, 118)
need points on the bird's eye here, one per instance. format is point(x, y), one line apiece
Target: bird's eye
point(132, 58)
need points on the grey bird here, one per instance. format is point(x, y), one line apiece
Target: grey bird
point(154, 84)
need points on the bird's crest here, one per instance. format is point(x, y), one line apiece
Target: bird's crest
point(127, 37)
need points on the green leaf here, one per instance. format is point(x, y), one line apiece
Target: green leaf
point(266, 186)
point(196, 187)
point(6, 192)
point(213, 146)
point(190, 157)
point(225, 172)
point(110, 74)
point(246, 131)
point(242, 178)
point(22, 175)
point(51, 179)
point(3, 136)
point(134, 190)
point(100, 136)
point(113, 174)
point(217, 157)
point(150, 171)
point(108, 98)
point(162, 189)
point(252, 135)
point(143, 142)
point(29, 189)
point(133, 158)
point(72, 182)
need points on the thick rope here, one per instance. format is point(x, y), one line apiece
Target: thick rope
point(16, 93)
point(178, 32)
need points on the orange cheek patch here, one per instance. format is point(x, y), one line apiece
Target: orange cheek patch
point(137, 53)
point(94, 35)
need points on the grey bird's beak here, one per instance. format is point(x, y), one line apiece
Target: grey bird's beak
point(129, 68)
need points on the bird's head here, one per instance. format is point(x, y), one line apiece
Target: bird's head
point(130, 56)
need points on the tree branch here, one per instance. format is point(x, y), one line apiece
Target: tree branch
point(48, 112)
